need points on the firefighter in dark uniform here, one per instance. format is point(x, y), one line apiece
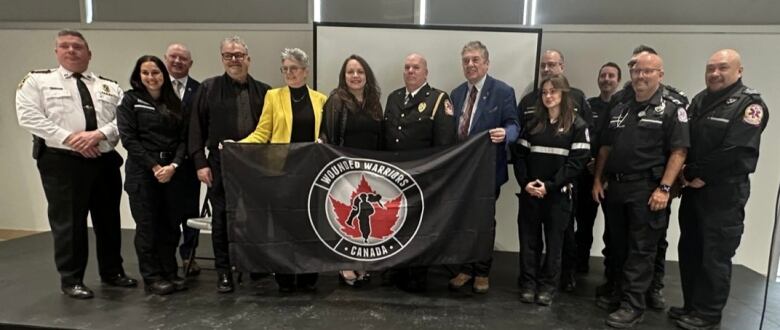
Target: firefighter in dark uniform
point(417, 116)
point(642, 151)
point(552, 150)
point(726, 124)
point(607, 294)
point(552, 63)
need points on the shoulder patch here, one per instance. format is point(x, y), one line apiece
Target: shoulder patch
point(682, 115)
point(753, 115)
point(104, 78)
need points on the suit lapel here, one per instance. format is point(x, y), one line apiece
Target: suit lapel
point(284, 99)
point(482, 105)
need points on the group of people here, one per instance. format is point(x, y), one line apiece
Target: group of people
point(632, 151)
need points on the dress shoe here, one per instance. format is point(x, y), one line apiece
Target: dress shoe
point(192, 270)
point(625, 317)
point(675, 313)
point(481, 284)
point(459, 281)
point(655, 300)
point(693, 322)
point(225, 282)
point(78, 291)
point(527, 295)
point(568, 282)
point(545, 298)
point(120, 280)
point(179, 284)
point(159, 287)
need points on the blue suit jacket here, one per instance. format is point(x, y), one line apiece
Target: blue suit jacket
point(495, 108)
point(189, 91)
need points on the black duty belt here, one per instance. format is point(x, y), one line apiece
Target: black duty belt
point(629, 177)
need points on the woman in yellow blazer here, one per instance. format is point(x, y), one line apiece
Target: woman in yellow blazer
point(291, 114)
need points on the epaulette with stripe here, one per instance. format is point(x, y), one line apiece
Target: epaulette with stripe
point(104, 78)
point(42, 71)
point(750, 91)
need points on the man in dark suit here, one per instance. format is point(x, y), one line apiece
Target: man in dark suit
point(480, 104)
point(178, 61)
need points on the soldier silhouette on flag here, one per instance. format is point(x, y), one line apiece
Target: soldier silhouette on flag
point(363, 209)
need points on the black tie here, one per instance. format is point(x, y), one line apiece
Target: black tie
point(86, 103)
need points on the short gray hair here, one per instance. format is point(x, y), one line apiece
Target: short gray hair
point(297, 55)
point(476, 45)
point(233, 40)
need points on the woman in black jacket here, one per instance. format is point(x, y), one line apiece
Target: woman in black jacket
point(152, 127)
point(552, 151)
point(352, 117)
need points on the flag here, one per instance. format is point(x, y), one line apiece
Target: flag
point(312, 207)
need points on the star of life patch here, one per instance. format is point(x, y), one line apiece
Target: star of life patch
point(682, 115)
point(753, 115)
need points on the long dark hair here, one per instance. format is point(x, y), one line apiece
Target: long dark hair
point(167, 95)
point(371, 91)
point(565, 117)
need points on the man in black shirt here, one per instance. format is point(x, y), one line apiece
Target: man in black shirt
point(727, 120)
point(642, 151)
point(225, 107)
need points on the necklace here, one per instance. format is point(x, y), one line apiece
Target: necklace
point(299, 99)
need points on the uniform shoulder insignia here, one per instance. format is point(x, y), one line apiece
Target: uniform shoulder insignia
point(42, 71)
point(104, 78)
point(753, 115)
point(750, 91)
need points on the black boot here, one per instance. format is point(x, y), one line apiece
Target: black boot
point(225, 282)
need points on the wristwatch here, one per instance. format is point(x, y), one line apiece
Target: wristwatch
point(665, 188)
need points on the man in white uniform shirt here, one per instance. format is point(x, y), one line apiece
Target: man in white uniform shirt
point(71, 113)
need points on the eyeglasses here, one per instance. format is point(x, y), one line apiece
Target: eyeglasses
point(231, 56)
point(643, 72)
point(290, 69)
point(549, 65)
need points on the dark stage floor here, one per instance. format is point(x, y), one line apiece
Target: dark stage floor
point(30, 296)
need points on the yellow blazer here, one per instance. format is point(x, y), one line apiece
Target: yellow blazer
point(275, 123)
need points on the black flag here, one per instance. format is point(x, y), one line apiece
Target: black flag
point(310, 207)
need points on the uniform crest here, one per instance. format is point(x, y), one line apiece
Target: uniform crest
point(364, 209)
point(421, 107)
point(731, 100)
point(753, 115)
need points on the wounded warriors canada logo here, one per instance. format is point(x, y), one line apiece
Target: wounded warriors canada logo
point(365, 209)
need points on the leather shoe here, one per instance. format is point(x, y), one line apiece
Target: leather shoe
point(225, 282)
point(693, 322)
point(527, 295)
point(120, 280)
point(192, 270)
point(481, 284)
point(459, 281)
point(77, 291)
point(544, 298)
point(625, 317)
point(159, 287)
point(179, 284)
point(655, 300)
point(676, 313)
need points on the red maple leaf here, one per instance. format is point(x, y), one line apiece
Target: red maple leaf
point(382, 221)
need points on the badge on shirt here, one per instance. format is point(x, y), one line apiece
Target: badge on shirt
point(106, 90)
point(642, 114)
point(753, 115)
point(421, 107)
point(448, 108)
point(731, 100)
point(660, 108)
point(682, 115)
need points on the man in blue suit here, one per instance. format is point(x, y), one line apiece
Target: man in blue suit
point(481, 104)
point(178, 61)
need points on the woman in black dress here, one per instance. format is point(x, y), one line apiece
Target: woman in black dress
point(353, 118)
point(152, 127)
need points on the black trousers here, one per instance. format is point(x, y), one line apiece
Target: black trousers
point(551, 216)
point(585, 215)
point(219, 230)
point(711, 226)
point(189, 202)
point(157, 216)
point(482, 267)
point(75, 187)
point(634, 232)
